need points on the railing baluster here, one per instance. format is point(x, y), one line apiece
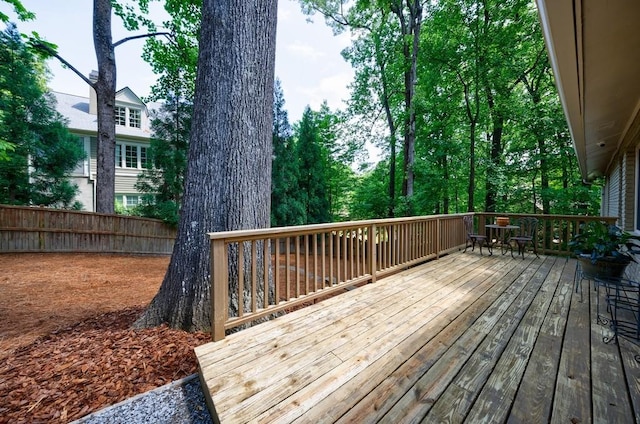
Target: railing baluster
point(315, 263)
point(297, 247)
point(306, 264)
point(373, 262)
point(324, 259)
point(240, 279)
point(265, 272)
point(330, 282)
point(254, 277)
point(345, 256)
point(288, 268)
point(276, 266)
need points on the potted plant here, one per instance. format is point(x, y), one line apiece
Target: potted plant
point(603, 249)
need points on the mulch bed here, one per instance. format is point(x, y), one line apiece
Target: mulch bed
point(85, 367)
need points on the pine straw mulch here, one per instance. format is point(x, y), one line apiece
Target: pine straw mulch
point(85, 367)
point(66, 346)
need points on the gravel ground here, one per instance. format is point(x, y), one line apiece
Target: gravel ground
point(179, 402)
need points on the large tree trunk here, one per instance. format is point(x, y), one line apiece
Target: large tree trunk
point(228, 182)
point(495, 160)
point(472, 166)
point(410, 27)
point(106, 97)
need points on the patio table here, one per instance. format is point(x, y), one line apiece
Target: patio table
point(499, 234)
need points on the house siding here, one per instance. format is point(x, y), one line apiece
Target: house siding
point(126, 184)
point(627, 200)
point(611, 197)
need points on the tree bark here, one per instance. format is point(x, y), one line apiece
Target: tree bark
point(106, 95)
point(495, 161)
point(410, 31)
point(228, 182)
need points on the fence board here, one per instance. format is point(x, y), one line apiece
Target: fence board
point(28, 229)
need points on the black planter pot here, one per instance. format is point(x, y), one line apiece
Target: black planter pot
point(602, 268)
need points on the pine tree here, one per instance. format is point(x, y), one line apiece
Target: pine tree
point(313, 178)
point(286, 207)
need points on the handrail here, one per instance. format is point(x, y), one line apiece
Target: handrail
point(554, 231)
point(289, 267)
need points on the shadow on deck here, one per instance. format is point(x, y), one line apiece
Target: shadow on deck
point(461, 339)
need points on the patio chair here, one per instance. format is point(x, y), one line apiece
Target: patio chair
point(528, 226)
point(473, 237)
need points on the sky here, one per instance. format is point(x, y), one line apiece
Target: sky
point(308, 60)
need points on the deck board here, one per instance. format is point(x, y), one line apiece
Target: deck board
point(466, 338)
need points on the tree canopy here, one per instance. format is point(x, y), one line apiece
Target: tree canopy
point(40, 152)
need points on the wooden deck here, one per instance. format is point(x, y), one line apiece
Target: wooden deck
point(461, 339)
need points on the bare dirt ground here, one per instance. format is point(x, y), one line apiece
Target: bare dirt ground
point(66, 347)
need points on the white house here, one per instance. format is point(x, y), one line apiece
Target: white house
point(132, 141)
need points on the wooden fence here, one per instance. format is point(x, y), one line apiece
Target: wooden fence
point(30, 229)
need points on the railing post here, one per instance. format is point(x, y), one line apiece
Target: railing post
point(438, 240)
point(372, 246)
point(219, 289)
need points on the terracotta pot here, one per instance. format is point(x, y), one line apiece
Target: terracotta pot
point(502, 221)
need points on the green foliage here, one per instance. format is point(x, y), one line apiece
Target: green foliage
point(601, 240)
point(337, 152)
point(173, 59)
point(370, 198)
point(490, 131)
point(22, 13)
point(312, 182)
point(286, 203)
point(163, 180)
point(42, 153)
point(5, 148)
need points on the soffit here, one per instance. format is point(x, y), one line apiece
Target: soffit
point(594, 46)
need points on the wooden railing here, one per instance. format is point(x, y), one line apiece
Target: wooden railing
point(283, 268)
point(280, 269)
point(554, 231)
point(31, 229)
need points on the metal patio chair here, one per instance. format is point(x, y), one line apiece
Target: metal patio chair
point(472, 236)
point(528, 226)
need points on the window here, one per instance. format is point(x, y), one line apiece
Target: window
point(119, 155)
point(129, 155)
point(134, 118)
point(128, 200)
point(131, 201)
point(143, 157)
point(134, 115)
point(82, 167)
point(121, 116)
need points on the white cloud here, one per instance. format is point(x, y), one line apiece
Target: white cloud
point(331, 88)
point(305, 50)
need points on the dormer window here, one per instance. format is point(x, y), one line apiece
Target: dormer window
point(134, 115)
point(121, 116)
point(134, 118)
